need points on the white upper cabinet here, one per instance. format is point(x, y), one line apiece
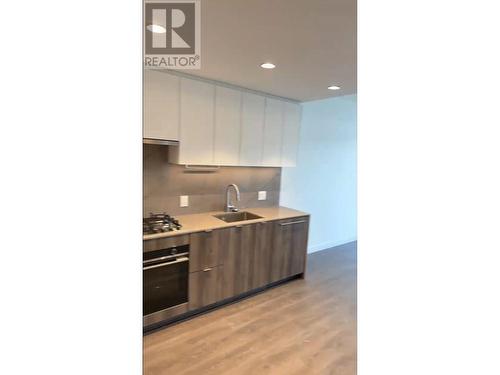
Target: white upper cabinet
point(227, 126)
point(252, 129)
point(196, 143)
point(161, 105)
point(291, 134)
point(273, 131)
point(219, 125)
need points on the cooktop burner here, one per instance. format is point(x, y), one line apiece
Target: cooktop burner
point(158, 223)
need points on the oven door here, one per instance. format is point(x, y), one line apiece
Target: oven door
point(165, 289)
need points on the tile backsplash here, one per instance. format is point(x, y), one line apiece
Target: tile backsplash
point(164, 183)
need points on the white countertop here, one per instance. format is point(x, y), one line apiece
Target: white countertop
point(206, 221)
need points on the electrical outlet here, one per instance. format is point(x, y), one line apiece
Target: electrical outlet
point(262, 195)
point(184, 201)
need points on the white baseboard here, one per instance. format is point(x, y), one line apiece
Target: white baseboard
point(327, 245)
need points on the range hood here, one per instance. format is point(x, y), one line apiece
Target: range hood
point(163, 142)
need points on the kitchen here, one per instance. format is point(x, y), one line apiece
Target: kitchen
point(254, 168)
point(230, 222)
point(193, 131)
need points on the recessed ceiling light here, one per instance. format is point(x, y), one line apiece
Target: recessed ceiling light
point(268, 65)
point(156, 29)
point(333, 88)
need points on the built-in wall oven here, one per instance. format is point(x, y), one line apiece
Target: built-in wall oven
point(165, 283)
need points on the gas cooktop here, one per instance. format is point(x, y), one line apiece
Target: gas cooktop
point(158, 223)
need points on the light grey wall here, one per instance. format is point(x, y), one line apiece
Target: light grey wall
point(324, 181)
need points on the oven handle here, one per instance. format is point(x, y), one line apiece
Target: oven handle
point(180, 260)
point(163, 258)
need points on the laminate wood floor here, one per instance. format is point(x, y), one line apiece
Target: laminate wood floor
point(307, 326)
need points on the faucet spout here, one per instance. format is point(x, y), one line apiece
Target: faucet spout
point(230, 207)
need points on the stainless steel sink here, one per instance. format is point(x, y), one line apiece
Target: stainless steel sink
point(231, 217)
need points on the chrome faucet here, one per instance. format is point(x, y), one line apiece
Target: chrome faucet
point(229, 206)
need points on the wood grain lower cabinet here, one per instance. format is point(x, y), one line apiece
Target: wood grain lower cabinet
point(246, 258)
point(289, 248)
point(237, 259)
point(228, 262)
point(204, 287)
point(261, 257)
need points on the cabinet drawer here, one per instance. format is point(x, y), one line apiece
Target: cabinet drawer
point(204, 249)
point(204, 287)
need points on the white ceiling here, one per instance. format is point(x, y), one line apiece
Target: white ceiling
point(312, 43)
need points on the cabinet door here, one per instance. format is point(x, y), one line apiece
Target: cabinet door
point(237, 259)
point(161, 105)
point(204, 287)
point(204, 249)
point(227, 126)
point(289, 248)
point(273, 129)
point(196, 144)
point(252, 130)
point(291, 133)
point(261, 258)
